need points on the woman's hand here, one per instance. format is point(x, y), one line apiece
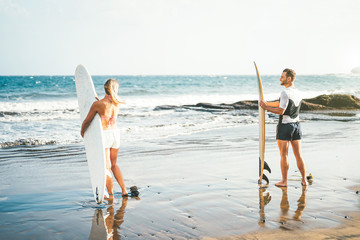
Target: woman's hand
point(93, 110)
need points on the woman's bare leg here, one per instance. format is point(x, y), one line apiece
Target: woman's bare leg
point(116, 170)
point(109, 180)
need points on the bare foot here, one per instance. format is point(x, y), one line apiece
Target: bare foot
point(111, 197)
point(281, 184)
point(125, 194)
point(303, 183)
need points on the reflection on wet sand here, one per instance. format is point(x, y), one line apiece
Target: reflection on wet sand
point(284, 206)
point(108, 226)
point(301, 205)
point(264, 199)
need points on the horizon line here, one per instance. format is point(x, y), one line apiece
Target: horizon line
point(150, 75)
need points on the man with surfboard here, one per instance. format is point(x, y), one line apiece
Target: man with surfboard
point(288, 128)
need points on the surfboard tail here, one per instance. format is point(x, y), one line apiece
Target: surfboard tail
point(265, 178)
point(262, 176)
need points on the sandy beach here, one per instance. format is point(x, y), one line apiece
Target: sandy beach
point(201, 185)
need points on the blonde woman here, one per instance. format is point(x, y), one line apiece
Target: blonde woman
point(108, 109)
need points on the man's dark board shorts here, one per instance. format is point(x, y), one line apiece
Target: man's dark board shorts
point(288, 132)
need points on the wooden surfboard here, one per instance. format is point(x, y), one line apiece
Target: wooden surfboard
point(262, 164)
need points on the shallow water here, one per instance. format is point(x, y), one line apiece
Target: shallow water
point(192, 186)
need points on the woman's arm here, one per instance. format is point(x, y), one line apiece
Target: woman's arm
point(89, 118)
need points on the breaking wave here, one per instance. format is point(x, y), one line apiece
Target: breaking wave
point(27, 142)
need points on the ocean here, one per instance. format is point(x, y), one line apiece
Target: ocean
point(41, 110)
point(196, 168)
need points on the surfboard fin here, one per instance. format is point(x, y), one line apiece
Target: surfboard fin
point(267, 199)
point(264, 177)
point(266, 167)
point(97, 195)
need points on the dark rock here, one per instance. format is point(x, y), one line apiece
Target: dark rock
point(215, 106)
point(165, 107)
point(134, 191)
point(331, 102)
point(322, 102)
point(246, 105)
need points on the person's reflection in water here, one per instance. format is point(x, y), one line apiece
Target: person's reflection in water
point(264, 199)
point(284, 206)
point(107, 227)
point(113, 222)
point(301, 205)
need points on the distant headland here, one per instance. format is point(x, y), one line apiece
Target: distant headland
point(356, 70)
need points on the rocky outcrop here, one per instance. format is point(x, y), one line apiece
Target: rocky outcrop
point(322, 102)
point(331, 102)
point(356, 70)
point(237, 105)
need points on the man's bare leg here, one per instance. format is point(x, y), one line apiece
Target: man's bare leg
point(284, 164)
point(296, 146)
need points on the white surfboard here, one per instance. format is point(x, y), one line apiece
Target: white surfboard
point(93, 137)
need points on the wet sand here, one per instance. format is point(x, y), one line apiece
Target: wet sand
point(349, 229)
point(199, 186)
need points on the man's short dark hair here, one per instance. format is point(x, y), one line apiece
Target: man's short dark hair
point(290, 73)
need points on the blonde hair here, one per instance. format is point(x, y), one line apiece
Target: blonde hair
point(111, 88)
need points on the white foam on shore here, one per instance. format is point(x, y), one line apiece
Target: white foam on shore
point(26, 142)
point(29, 106)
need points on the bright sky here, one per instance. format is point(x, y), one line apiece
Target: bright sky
point(178, 36)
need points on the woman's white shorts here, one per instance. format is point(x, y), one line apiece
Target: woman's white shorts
point(112, 138)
